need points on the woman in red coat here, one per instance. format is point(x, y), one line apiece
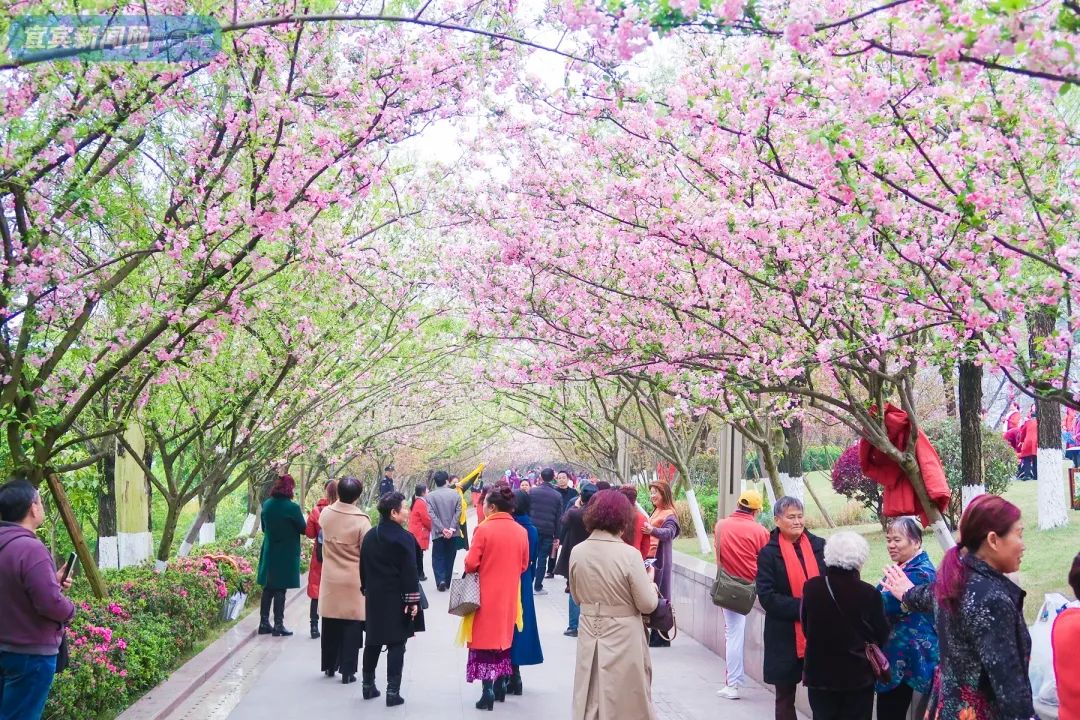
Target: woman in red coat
point(315, 570)
point(420, 524)
point(499, 553)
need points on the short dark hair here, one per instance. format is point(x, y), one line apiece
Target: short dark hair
point(608, 510)
point(603, 485)
point(908, 527)
point(547, 475)
point(522, 502)
point(349, 489)
point(1074, 576)
point(440, 478)
point(16, 497)
point(501, 497)
point(389, 502)
point(563, 472)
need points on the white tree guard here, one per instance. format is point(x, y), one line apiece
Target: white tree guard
point(943, 534)
point(108, 553)
point(1053, 494)
point(699, 523)
point(249, 525)
point(207, 533)
point(135, 548)
point(969, 493)
point(794, 486)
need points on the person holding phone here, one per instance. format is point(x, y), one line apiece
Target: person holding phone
point(35, 609)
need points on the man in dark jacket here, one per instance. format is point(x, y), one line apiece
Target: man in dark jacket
point(34, 608)
point(784, 640)
point(572, 528)
point(386, 485)
point(569, 495)
point(547, 508)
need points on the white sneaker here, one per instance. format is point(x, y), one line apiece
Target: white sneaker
point(729, 693)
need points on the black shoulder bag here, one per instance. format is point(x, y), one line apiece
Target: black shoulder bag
point(63, 659)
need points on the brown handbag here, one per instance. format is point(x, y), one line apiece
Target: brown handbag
point(879, 664)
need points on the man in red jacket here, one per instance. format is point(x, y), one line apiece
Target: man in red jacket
point(1029, 448)
point(737, 540)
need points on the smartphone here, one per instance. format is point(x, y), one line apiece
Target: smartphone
point(68, 567)
point(650, 562)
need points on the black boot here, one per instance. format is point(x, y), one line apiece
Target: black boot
point(393, 691)
point(265, 628)
point(500, 688)
point(515, 687)
point(487, 699)
point(280, 631)
point(367, 687)
point(315, 630)
point(264, 612)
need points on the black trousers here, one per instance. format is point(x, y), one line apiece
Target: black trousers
point(785, 702)
point(277, 597)
point(847, 705)
point(893, 705)
point(395, 659)
point(546, 544)
point(341, 643)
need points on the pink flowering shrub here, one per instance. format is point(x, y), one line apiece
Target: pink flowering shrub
point(123, 646)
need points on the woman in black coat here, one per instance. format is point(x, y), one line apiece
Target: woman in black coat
point(389, 579)
point(840, 615)
point(783, 663)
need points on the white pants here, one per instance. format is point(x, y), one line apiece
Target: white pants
point(734, 635)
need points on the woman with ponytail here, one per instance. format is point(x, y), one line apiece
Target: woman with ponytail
point(979, 614)
point(499, 554)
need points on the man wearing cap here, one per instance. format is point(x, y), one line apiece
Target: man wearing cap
point(386, 485)
point(738, 540)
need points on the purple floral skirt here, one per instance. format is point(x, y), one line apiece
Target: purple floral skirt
point(488, 665)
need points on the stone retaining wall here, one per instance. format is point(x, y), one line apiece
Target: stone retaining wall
point(695, 614)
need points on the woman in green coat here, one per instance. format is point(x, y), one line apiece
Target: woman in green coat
point(279, 562)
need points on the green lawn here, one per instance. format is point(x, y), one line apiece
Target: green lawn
point(1046, 562)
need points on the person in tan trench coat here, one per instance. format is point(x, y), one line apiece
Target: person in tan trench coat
point(342, 604)
point(613, 677)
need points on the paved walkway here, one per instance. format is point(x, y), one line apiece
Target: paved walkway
point(265, 677)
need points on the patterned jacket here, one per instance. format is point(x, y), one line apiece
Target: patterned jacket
point(912, 648)
point(985, 648)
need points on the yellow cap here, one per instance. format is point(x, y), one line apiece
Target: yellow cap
point(750, 499)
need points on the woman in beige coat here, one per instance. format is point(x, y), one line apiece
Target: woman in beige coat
point(613, 679)
point(342, 604)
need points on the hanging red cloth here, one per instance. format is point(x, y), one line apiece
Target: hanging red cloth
point(900, 498)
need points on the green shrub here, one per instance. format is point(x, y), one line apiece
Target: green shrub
point(999, 462)
point(125, 645)
point(820, 458)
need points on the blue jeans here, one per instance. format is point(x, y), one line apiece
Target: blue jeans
point(443, 552)
point(24, 684)
point(575, 613)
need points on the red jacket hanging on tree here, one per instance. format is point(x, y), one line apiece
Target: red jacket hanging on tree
point(900, 498)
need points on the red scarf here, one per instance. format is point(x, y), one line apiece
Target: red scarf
point(797, 577)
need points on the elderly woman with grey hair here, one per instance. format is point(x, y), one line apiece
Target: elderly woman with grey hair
point(840, 615)
point(792, 556)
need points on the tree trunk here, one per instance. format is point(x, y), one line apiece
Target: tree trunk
point(1050, 466)
point(971, 430)
point(108, 552)
point(790, 465)
point(910, 466)
point(168, 530)
point(86, 558)
point(771, 471)
point(950, 390)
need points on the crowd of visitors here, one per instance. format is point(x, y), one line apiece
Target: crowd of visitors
point(923, 642)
